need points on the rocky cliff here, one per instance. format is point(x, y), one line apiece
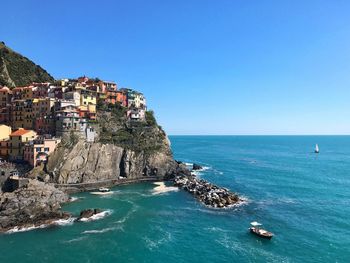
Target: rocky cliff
point(122, 151)
point(36, 203)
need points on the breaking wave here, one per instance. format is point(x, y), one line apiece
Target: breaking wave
point(98, 216)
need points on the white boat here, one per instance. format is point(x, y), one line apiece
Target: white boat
point(317, 150)
point(104, 190)
point(257, 230)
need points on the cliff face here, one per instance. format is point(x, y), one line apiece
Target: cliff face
point(122, 151)
point(17, 70)
point(97, 162)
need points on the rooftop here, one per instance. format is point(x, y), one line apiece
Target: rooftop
point(20, 132)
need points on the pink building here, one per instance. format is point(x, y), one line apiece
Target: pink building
point(37, 151)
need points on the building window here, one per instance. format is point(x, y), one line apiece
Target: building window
point(38, 149)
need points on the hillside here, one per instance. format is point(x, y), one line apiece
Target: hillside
point(17, 70)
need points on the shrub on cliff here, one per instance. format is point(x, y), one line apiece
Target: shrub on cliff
point(150, 119)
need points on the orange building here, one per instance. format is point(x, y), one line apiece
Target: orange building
point(116, 96)
point(122, 98)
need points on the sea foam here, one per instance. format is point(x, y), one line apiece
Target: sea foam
point(97, 216)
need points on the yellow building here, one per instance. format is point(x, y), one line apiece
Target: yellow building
point(43, 107)
point(17, 141)
point(87, 97)
point(5, 132)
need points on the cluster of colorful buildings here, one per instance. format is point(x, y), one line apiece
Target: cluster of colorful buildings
point(33, 118)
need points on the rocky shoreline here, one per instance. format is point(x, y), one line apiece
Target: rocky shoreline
point(38, 204)
point(32, 205)
point(207, 193)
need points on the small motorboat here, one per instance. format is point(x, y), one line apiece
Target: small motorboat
point(104, 190)
point(257, 230)
point(317, 150)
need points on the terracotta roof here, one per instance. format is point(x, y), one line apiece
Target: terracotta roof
point(19, 132)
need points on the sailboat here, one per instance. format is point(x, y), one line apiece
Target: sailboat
point(317, 150)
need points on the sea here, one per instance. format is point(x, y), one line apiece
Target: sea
point(300, 196)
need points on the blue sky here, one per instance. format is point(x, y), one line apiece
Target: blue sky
point(205, 66)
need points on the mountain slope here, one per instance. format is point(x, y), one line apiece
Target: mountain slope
point(17, 70)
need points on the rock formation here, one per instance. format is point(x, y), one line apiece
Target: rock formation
point(35, 204)
point(196, 167)
point(207, 193)
point(88, 213)
point(122, 151)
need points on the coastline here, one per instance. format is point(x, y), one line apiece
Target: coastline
point(86, 187)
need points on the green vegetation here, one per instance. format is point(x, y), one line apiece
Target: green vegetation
point(150, 119)
point(138, 136)
point(17, 70)
point(117, 110)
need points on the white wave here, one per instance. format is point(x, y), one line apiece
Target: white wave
point(161, 188)
point(64, 222)
point(199, 172)
point(97, 216)
point(127, 216)
point(75, 239)
point(104, 230)
point(17, 229)
point(73, 199)
point(155, 243)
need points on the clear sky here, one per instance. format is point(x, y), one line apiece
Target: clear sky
point(205, 66)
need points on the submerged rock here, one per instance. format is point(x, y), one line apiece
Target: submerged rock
point(207, 193)
point(87, 213)
point(196, 167)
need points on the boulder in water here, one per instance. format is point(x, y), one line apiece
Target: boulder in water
point(196, 167)
point(87, 213)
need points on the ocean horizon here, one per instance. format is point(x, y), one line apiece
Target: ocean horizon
point(300, 196)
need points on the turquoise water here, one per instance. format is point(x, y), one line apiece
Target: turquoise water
point(302, 197)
